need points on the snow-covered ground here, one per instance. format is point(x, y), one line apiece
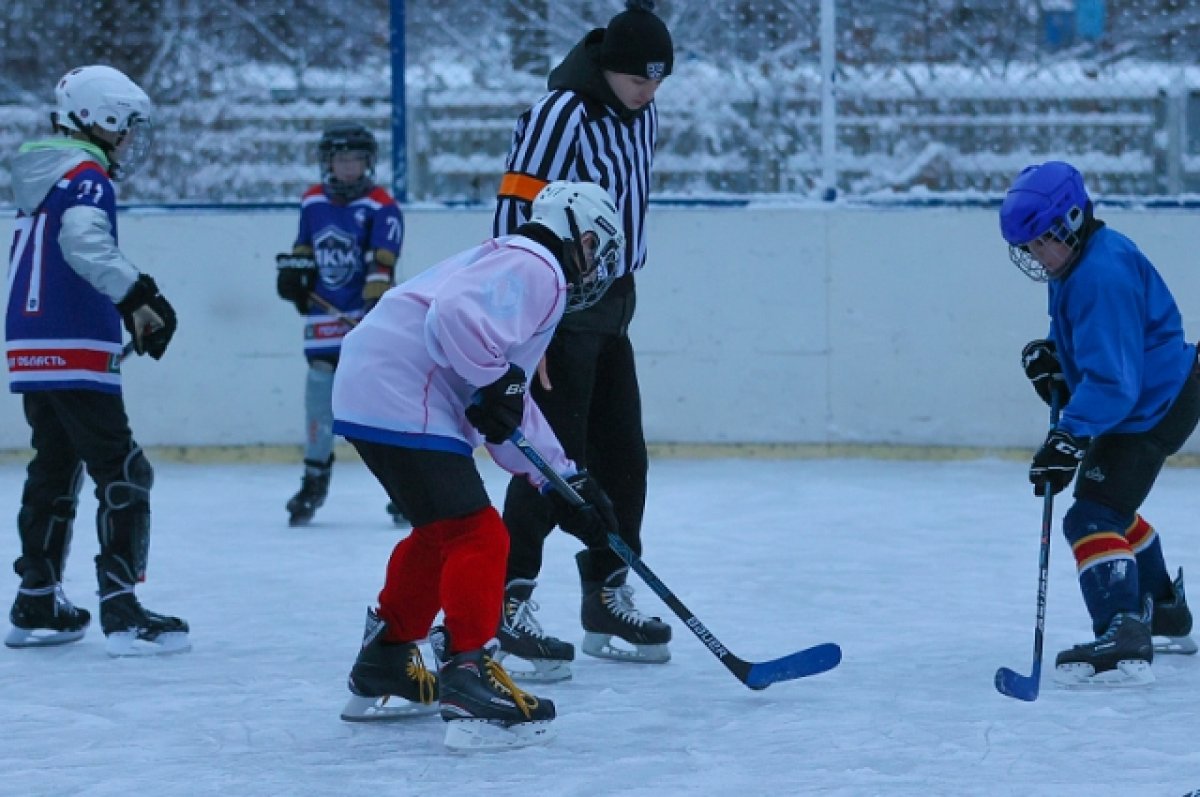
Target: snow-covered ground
point(924, 572)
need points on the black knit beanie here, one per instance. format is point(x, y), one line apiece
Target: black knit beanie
point(637, 42)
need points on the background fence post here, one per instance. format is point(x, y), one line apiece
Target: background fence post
point(829, 175)
point(399, 114)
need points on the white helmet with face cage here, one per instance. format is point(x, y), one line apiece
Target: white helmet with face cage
point(92, 98)
point(571, 210)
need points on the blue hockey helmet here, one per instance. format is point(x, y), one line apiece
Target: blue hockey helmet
point(1047, 199)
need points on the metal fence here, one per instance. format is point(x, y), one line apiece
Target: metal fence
point(925, 98)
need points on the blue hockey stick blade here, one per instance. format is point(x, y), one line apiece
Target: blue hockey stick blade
point(811, 661)
point(1012, 683)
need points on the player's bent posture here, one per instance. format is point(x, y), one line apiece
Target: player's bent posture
point(437, 368)
point(350, 235)
point(71, 289)
point(1127, 379)
point(598, 122)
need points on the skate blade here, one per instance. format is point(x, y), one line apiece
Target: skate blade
point(41, 637)
point(384, 709)
point(469, 736)
point(540, 670)
point(296, 521)
point(1181, 645)
point(1084, 676)
point(602, 647)
point(122, 644)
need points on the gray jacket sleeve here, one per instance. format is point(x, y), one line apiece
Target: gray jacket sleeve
point(87, 243)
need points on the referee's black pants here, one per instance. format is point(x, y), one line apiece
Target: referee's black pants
point(594, 407)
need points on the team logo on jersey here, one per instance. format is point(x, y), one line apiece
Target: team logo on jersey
point(1095, 474)
point(656, 69)
point(336, 253)
point(504, 296)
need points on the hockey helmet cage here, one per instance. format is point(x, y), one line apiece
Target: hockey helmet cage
point(571, 210)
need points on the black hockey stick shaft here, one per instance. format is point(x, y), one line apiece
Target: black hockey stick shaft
point(1009, 682)
point(756, 675)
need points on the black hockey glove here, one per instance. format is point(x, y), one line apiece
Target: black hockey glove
point(297, 278)
point(594, 520)
point(1039, 358)
point(498, 408)
point(1056, 461)
point(148, 317)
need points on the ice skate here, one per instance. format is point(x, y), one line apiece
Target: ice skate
point(1171, 623)
point(1121, 656)
point(42, 616)
point(313, 489)
point(483, 708)
point(536, 656)
point(388, 681)
point(608, 613)
point(130, 629)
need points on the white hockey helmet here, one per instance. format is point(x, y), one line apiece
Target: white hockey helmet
point(91, 98)
point(572, 210)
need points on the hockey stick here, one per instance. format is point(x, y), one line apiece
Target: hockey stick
point(756, 675)
point(328, 307)
point(126, 351)
point(1010, 682)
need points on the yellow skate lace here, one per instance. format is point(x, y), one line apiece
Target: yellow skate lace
point(500, 679)
point(426, 681)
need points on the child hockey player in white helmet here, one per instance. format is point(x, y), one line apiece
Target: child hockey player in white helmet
point(71, 290)
point(439, 367)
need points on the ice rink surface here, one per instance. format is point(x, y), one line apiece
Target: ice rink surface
point(924, 572)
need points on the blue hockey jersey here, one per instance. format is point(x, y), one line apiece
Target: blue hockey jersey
point(346, 241)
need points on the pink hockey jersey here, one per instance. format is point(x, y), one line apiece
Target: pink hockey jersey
point(409, 370)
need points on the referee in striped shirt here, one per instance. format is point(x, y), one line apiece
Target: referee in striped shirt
point(597, 123)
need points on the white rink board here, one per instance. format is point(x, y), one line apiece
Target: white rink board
point(778, 324)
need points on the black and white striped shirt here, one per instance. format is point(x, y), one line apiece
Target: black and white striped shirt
point(565, 136)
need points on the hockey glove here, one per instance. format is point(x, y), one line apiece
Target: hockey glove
point(1056, 461)
point(148, 316)
point(297, 278)
point(1039, 358)
point(374, 288)
point(497, 409)
point(594, 520)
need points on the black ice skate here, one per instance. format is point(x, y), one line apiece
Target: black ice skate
point(1172, 622)
point(483, 708)
point(522, 639)
point(1121, 656)
point(607, 611)
point(129, 628)
point(42, 616)
point(388, 681)
point(313, 489)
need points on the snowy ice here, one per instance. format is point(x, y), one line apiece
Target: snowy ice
point(924, 572)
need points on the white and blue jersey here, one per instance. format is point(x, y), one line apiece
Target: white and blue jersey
point(339, 238)
point(62, 328)
point(1120, 339)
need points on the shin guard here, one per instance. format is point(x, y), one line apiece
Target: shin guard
point(476, 552)
point(409, 600)
point(1108, 572)
point(1153, 577)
